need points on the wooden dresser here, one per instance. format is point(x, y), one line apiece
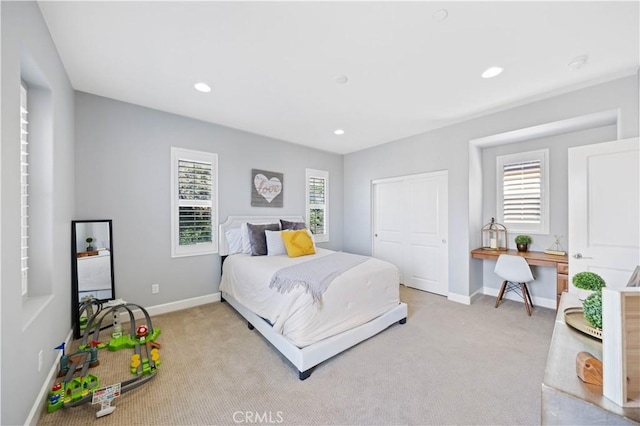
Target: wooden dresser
point(562, 278)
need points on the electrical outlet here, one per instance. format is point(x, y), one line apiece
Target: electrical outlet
point(155, 288)
point(40, 359)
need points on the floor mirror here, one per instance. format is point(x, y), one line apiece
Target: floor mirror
point(91, 266)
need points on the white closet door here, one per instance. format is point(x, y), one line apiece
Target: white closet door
point(388, 213)
point(411, 228)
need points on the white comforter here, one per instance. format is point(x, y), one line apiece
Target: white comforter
point(357, 296)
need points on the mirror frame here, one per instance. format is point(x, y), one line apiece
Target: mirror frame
point(75, 297)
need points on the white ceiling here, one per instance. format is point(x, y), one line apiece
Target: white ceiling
point(272, 65)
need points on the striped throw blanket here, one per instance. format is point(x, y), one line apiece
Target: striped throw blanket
point(315, 275)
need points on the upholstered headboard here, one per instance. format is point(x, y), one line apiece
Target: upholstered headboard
point(233, 222)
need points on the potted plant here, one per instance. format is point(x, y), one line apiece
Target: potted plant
point(592, 305)
point(522, 242)
point(89, 240)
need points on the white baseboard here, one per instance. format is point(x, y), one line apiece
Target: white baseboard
point(465, 300)
point(537, 301)
point(43, 396)
point(179, 305)
point(476, 295)
point(459, 298)
point(183, 304)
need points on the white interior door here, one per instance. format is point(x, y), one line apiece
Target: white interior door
point(388, 215)
point(604, 210)
point(411, 229)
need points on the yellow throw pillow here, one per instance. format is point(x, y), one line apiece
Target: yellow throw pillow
point(298, 243)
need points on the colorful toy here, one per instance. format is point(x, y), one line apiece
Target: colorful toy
point(119, 340)
point(87, 306)
point(73, 391)
point(147, 362)
point(104, 396)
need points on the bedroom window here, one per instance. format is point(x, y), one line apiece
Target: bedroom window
point(523, 192)
point(317, 203)
point(24, 190)
point(194, 210)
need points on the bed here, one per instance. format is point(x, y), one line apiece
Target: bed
point(359, 303)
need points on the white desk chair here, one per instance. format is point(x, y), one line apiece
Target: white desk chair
point(516, 273)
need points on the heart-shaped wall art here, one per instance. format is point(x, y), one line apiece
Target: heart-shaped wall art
point(268, 188)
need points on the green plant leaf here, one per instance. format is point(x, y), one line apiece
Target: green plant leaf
point(588, 281)
point(592, 307)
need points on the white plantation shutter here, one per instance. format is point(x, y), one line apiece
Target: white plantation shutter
point(194, 202)
point(24, 190)
point(317, 186)
point(523, 192)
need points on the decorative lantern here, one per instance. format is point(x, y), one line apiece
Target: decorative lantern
point(494, 236)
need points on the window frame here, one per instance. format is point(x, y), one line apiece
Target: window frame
point(321, 174)
point(199, 249)
point(542, 155)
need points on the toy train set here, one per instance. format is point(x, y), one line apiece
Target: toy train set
point(78, 386)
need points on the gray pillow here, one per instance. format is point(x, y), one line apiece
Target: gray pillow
point(293, 226)
point(257, 239)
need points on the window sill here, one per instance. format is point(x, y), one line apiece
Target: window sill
point(201, 253)
point(32, 307)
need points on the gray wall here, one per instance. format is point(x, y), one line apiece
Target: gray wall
point(27, 49)
point(123, 173)
point(448, 148)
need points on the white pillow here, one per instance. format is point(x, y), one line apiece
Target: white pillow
point(234, 241)
point(275, 244)
point(246, 243)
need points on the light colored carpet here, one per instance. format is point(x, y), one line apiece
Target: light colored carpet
point(449, 364)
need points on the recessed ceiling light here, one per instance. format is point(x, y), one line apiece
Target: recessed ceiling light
point(577, 63)
point(341, 79)
point(440, 15)
point(491, 72)
point(339, 132)
point(202, 87)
